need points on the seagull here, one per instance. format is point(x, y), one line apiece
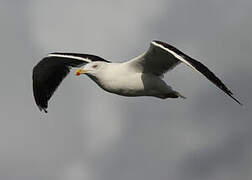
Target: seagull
point(141, 76)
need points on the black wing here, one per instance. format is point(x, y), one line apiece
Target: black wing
point(196, 66)
point(162, 57)
point(51, 70)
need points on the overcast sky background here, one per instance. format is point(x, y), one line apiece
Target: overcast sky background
point(93, 135)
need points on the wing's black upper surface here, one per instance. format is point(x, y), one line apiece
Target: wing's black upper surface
point(51, 70)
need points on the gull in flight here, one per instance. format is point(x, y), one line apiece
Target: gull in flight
point(141, 76)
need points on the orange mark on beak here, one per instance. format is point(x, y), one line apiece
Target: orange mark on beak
point(80, 71)
point(77, 72)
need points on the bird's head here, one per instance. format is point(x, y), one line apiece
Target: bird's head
point(92, 68)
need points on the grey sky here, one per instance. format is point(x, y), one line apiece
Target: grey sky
point(94, 135)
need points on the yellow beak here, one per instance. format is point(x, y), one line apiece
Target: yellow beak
point(80, 71)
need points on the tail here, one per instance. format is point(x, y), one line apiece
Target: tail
point(172, 94)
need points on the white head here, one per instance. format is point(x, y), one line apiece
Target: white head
point(92, 69)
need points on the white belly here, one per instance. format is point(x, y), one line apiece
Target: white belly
point(127, 83)
point(131, 85)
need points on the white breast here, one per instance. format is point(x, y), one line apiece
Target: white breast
point(119, 79)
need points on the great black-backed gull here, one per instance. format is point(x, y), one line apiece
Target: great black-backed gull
point(141, 76)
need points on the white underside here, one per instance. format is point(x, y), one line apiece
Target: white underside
point(118, 78)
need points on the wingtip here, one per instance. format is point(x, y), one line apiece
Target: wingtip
point(236, 100)
point(42, 109)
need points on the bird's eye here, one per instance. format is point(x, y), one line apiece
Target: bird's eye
point(95, 66)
